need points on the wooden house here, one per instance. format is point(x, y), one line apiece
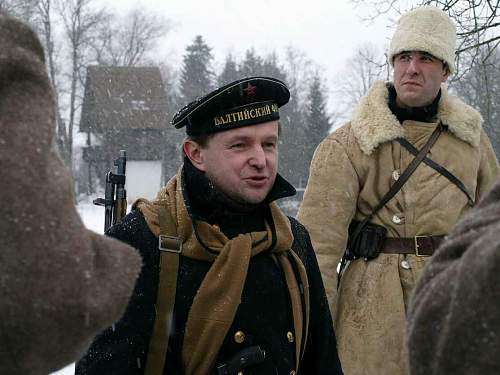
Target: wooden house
point(125, 108)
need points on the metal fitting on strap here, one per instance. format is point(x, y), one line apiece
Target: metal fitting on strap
point(169, 244)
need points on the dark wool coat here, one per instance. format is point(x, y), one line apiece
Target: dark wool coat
point(264, 314)
point(60, 284)
point(454, 317)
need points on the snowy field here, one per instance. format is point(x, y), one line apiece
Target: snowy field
point(93, 217)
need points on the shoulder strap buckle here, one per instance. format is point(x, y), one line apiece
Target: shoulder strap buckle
point(169, 244)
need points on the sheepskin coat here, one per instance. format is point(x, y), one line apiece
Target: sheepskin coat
point(351, 171)
point(60, 284)
point(454, 314)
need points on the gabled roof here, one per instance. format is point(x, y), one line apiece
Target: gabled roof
point(123, 98)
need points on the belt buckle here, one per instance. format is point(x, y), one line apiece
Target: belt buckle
point(417, 246)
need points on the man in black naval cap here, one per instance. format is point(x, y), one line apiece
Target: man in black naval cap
point(229, 285)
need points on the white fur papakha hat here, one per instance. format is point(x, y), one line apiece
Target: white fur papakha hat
point(426, 29)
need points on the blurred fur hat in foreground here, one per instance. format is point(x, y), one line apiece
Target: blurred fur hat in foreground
point(60, 283)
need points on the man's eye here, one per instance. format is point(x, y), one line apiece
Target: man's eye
point(237, 145)
point(270, 145)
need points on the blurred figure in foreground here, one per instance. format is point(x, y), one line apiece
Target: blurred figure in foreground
point(60, 284)
point(454, 315)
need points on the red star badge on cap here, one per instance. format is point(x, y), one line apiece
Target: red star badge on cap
point(250, 90)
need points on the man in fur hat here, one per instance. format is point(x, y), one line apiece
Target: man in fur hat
point(355, 167)
point(60, 284)
point(454, 315)
point(230, 285)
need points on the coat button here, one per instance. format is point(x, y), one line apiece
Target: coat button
point(405, 264)
point(290, 337)
point(239, 337)
point(396, 219)
point(395, 175)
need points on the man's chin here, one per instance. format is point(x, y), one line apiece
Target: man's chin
point(254, 200)
point(253, 197)
point(411, 101)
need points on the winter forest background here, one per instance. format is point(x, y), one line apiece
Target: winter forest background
point(81, 33)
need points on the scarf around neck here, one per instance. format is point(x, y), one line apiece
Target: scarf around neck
point(424, 114)
point(216, 302)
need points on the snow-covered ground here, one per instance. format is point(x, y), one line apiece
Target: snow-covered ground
point(68, 370)
point(93, 217)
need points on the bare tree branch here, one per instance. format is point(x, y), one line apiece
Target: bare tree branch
point(480, 87)
point(128, 41)
point(478, 22)
point(477, 45)
point(44, 23)
point(80, 21)
point(365, 67)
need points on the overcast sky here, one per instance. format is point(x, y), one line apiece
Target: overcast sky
point(328, 31)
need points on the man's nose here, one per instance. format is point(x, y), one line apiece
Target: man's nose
point(413, 67)
point(258, 157)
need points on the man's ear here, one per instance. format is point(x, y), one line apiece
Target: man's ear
point(194, 152)
point(446, 73)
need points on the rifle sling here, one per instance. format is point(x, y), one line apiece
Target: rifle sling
point(170, 248)
point(392, 191)
point(438, 168)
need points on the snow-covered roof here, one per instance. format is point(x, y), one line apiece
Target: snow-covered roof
point(123, 98)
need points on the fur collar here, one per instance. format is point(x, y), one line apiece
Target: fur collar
point(373, 122)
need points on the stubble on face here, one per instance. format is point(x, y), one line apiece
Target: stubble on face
point(417, 78)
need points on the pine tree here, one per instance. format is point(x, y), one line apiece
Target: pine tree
point(196, 74)
point(317, 118)
point(252, 65)
point(230, 71)
point(272, 68)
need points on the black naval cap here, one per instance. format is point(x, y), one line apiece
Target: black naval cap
point(244, 102)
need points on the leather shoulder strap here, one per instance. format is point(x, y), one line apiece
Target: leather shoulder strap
point(348, 256)
point(438, 168)
point(403, 177)
point(170, 247)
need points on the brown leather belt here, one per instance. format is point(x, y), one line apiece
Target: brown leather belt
point(418, 245)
